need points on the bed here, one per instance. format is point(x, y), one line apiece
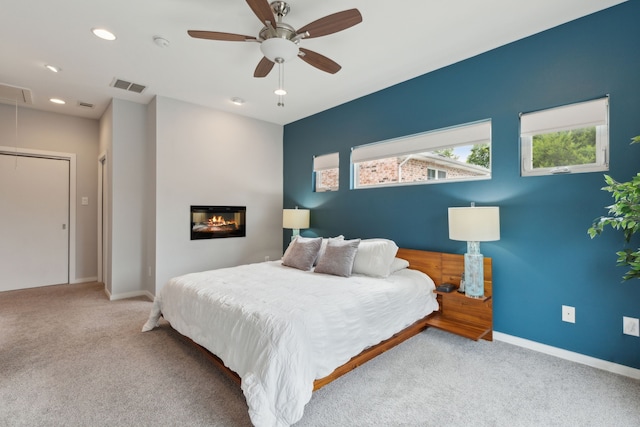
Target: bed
point(283, 332)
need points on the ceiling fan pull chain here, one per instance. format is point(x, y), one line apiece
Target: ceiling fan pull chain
point(281, 90)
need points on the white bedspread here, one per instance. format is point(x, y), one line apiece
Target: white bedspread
point(280, 328)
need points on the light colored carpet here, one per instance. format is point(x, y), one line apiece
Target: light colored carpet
point(70, 357)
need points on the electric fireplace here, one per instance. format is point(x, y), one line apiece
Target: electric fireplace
point(214, 222)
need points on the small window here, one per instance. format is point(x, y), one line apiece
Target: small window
point(451, 154)
point(326, 172)
point(436, 174)
point(569, 139)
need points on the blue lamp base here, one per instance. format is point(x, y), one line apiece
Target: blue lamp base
point(474, 271)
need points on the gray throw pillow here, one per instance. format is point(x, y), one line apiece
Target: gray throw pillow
point(338, 258)
point(302, 254)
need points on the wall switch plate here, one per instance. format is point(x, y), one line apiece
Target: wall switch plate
point(568, 314)
point(631, 326)
point(85, 201)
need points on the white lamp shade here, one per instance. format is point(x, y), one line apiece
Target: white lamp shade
point(295, 218)
point(474, 224)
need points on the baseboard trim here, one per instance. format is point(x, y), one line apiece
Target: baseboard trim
point(84, 280)
point(114, 297)
point(569, 355)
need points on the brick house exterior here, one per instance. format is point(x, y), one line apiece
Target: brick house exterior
point(412, 168)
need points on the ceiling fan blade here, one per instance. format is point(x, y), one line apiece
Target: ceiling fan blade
point(263, 68)
point(214, 35)
point(332, 23)
point(321, 62)
point(262, 9)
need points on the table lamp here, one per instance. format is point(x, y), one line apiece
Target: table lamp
point(295, 219)
point(474, 225)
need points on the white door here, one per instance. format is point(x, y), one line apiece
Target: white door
point(34, 222)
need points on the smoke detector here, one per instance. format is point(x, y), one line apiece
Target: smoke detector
point(161, 41)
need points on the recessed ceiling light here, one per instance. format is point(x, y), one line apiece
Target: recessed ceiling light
point(52, 68)
point(237, 101)
point(280, 92)
point(57, 101)
point(103, 34)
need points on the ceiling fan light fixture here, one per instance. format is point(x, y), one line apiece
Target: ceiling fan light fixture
point(276, 47)
point(279, 40)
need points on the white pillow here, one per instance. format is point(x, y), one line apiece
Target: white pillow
point(323, 248)
point(398, 264)
point(374, 257)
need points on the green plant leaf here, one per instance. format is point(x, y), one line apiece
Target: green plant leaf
point(625, 216)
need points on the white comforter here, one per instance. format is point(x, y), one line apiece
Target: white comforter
point(280, 328)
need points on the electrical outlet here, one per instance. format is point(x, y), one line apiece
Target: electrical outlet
point(267, 258)
point(631, 326)
point(568, 314)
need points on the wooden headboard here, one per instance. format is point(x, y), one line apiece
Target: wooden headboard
point(443, 267)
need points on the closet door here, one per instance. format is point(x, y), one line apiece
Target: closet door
point(34, 222)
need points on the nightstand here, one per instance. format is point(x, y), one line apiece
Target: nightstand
point(465, 316)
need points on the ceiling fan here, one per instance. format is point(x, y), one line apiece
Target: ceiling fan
point(279, 42)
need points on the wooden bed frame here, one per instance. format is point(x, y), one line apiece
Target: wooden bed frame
point(441, 267)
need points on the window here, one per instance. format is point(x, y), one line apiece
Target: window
point(449, 154)
point(436, 174)
point(326, 171)
point(569, 139)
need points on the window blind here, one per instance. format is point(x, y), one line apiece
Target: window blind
point(326, 161)
point(573, 116)
point(475, 133)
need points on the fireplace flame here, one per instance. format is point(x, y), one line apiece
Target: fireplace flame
point(217, 221)
point(208, 222)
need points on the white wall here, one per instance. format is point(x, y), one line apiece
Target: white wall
point(129, 212)
point(161, 159)
point(150, 200)
point(39, 130)
point(209, 157)
point(124, 142)
point(105, 149)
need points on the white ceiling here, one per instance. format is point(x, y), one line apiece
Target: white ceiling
point(395, 42)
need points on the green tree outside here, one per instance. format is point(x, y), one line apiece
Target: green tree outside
point(566, 148)
point(447, 152)
point(480, 155)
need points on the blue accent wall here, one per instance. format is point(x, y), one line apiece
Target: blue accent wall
point(545, 259)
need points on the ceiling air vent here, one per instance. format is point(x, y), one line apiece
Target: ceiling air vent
point(15, 94)
point(85, 104)
point(131, 87)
